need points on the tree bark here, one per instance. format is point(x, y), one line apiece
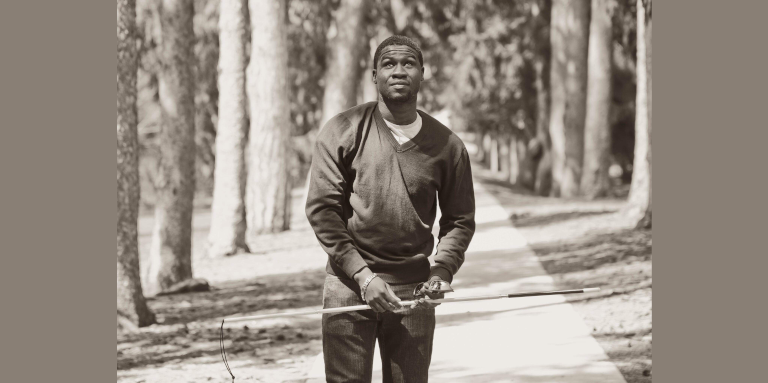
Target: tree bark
point(346, 50)
point(640, 191)
point(543, 180)
point(170, 259)
point(568, 82)
point(494, 165)
point(132, 310)
point(526, 164)
point(268, 189)
point(597, 128)
point(539, 148)
point(228, 225)
point(504, 153)
point(513, 159)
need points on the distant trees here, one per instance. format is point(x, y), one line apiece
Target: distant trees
point(228, 224)
point(170, 259)
point(132, 310)
point(346, 49)
point(536, 80)
point(569, 36)
point(640, 192)
point(268, 187)
point(597, 127)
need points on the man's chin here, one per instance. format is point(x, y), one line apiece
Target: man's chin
point(399, 98)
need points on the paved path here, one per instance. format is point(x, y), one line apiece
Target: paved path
point(536, 339)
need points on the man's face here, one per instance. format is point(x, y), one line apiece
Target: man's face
point(398, 74)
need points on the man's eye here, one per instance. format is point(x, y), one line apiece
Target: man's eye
point(409, 64)
point(388, 65)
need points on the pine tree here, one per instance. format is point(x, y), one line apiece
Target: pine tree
point(228, 225)
point(268, 189)
point(132, 310)
point(569, 36)
point(171, 250)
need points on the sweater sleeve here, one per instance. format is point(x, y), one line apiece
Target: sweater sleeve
point(328, 188)
point(457, 222)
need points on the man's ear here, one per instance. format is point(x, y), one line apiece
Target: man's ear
point(373, 72)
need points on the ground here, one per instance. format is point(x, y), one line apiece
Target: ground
point(591, 243)
point(580, 243)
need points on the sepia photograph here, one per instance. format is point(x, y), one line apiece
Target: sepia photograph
point(384, 191)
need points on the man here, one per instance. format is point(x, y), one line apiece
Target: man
point(378, 172)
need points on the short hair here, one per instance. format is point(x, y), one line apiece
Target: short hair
point(397, 40)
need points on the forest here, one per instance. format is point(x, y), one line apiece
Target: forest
point(219, 102)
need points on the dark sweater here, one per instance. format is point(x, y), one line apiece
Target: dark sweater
point(372, 202)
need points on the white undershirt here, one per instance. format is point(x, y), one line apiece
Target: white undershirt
point(404, 133)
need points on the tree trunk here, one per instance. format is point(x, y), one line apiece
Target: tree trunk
point(206, 100)
point(346, 50)
point(504, 153)
point(568, 80)
point(486, 148)
point(597, 128)
point(640, 191)
point(541, 148)
point(400, 14)
point(494, 157)
point(268, 189)
point(368, 91)
point(513, 159)
point(526, 170)
point(171, 250)
point(132, 310)
point(227, 235)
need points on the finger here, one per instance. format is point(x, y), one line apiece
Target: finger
point(377, 307)
point(436, 295)
point(391, 298)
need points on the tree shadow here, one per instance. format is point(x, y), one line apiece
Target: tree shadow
point(190, 322)
point(482, 268)
point(278, 291)
point(527, 220)
point(595, 251)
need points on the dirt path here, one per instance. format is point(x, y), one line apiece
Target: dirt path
point(578, 243)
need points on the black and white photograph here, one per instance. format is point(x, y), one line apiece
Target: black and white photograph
point(384, 191)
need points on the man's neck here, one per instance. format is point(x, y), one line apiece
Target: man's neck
point(397, 113)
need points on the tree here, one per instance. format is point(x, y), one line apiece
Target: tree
point(268, 189)
point(170, 259)
point(347, 48)
point(132, 310)
point(640, 191)
point(228, 225)
point(597, 127)
point(568, 84)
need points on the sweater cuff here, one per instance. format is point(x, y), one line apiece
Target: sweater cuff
point(442, 272)
point(352, 262)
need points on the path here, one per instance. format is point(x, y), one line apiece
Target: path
point(536, 339)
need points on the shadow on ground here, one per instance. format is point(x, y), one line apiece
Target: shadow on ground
point(190, 322)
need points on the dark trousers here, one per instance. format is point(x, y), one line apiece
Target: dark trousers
point(349, 339)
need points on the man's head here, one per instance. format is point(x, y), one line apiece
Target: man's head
point(398, 69)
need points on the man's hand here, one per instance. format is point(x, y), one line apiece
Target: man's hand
point(378, 294)
point(424, 303)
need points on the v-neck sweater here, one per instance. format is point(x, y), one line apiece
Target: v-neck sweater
point(372, 201)
point(403, 133)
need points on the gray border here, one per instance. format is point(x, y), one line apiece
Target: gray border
point(710, 94)
point(58, 195)
point(58, 198)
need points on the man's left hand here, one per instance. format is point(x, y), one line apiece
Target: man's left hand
point(424, 302)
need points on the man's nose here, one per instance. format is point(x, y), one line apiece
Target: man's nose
point(399, 71)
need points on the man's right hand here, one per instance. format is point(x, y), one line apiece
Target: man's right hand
point(378, 294)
